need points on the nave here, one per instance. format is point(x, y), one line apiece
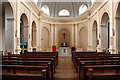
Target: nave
point(65, 69)
point(50, 66)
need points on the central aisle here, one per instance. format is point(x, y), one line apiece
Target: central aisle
point(65, 70)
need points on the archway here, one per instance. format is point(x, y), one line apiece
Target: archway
point(94, 35)
point(7, 27)
point(45, 39)
point(23, 28)
point(83, 38)
point(118, 29)
point(64, 37)
point(105, 32)
point(33, 34)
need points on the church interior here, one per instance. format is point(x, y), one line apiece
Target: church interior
point(60, 39)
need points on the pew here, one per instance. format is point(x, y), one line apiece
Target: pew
point(40, 54)
point(83, 64)
point(77, 63)
point(80, 53)
point(29, 57)
point(108, 72)
point(95, 57)
point(11, 72)
point(41, 59)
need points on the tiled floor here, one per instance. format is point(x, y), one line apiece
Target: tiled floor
point(65, 70)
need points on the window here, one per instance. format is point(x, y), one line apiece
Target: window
point(92, 1)
point(36, 1)
point(45, 9)
point(64, 13)
point(82, 9)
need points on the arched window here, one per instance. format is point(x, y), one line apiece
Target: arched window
point(92, 1)
point(64, 12)
point(36, 1)
point(45, 9)
point(82, 9)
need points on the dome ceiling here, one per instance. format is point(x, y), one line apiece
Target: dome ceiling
point(72, 6)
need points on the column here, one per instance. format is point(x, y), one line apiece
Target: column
point(99, 31)
point(89, 36)
point(73, 36)
point(52, 35)
point(76, 35)
point(116, 38)
point(30, 34)
point(56, 38)
point(9, 32)
point(1, 48)
point(18, 50)
point(39, 46)
point(111, 49)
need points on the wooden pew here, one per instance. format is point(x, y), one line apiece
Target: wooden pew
point(86, 55)
point(45, 53)
point(31, 59)
point(83, 64)
point(31, 63)
point(80, 53)
point(99, 56)
point(91, 59)
point(11, 72)
point(104, 75)
point(31, 56)
point(41, 54)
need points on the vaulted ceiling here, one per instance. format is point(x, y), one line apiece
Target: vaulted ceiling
point(71, 5)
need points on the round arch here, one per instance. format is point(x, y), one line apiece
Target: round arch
point(64, 37)
point(83, 38)
point(45, 9)
point(105, 32)
point(34, 34)
point(23, 28)
point(64, 12)
point(94, 35)
point(82, 9)
point(45, 39)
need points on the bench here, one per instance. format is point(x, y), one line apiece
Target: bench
point(29, 57)
point(93, 73)
point(11, 72)
point(82, 69)
point(97, 57)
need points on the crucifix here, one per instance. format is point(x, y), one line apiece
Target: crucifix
point(64, 35)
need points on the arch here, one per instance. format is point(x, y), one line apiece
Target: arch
point(36, 1)
point(24, 28)
point(94, 35)
point(105, 32)
point(82, 9)
point(7, 27)
point(83, 38)
point(118, 29)
point(92, 1)
point(45, 39)
point(64, 37)
point(34, 34)
point(64, 12)
point(45, 9)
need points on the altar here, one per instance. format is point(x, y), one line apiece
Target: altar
point(64, 51)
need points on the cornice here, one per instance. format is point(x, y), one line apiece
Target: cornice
point(48, 19)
